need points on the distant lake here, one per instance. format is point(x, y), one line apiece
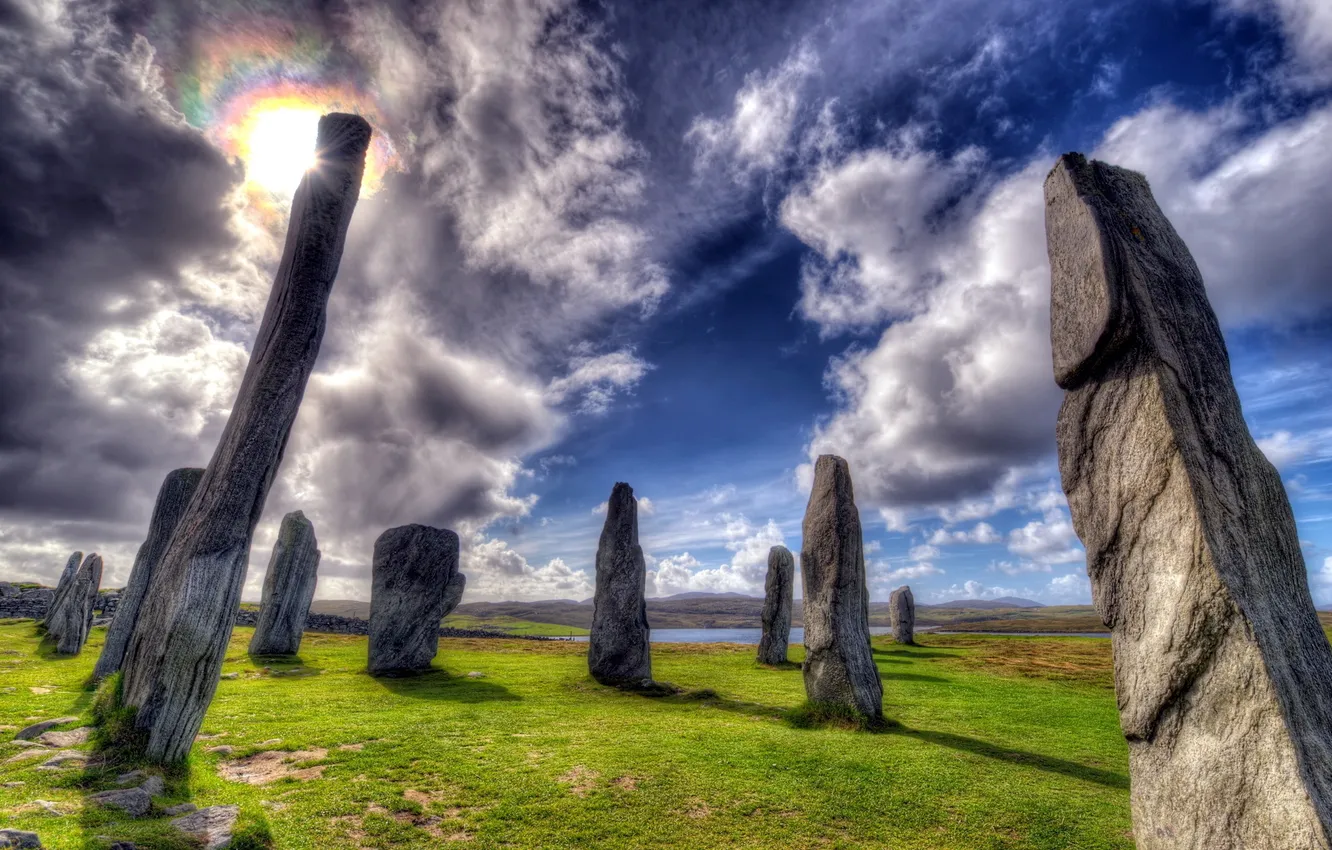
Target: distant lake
point(798, 635)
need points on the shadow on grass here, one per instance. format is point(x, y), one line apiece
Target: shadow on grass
point(914, 677)
point(284, 665)
point(437, 684)
point(912, 653)
point(710, 698)
point(1049, 764)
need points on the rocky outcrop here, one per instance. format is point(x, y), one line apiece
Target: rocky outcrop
point(902, 615)
point(778, 590)
point(618, 652)
point(68, 622)
point(175, 653)
point(1222, 673)
point(839, 665)
point(172, 498)
point(8, 590)
point(412, 569)
point(289, 588)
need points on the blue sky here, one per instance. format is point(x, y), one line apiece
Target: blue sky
point(691, 247)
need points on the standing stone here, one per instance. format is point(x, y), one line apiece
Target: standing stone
point(839, 665)
point(902, 615)
point(1222, 674)
point(618, 652)
point(175, 653)
point(412, 569)
point(62, 588)
point(288, 589)
point(68, 627)
point(453, 593)
point(777, 593)
point(172, 498)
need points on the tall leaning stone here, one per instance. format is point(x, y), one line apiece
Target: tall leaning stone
point(902, 615)
point(618, 652)
point(839, 665)
point(414, 566)
point(289, 588)
point(68, 627)
point(63, 586)
point(173, 496)
point(175, 654)
point(1222, 674)
point(777, 594)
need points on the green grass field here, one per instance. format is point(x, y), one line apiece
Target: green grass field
point(1004, 743)
point(511, 625)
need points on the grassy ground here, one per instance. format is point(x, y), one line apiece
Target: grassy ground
point(510, 625)
point(1004, 743)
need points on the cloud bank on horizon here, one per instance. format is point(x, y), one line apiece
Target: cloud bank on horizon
point(602, 242)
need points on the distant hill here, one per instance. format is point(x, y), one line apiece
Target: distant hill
point(695, 594)
point(987, 604)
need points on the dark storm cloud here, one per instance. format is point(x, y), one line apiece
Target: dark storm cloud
point(107, 196)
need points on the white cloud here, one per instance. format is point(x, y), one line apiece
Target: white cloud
point(970, 589)
point(1308, 29)
point(1050, 540)
point(912, 571)
point(1070, 589)
point(1321, 583)
point(758, 132)
point(982, 533)
point(1284, 449)
point(645, 506)
point(744, 573)
point(598, 380)
point(923, 552)
point(1010, 569)
point(495, 572)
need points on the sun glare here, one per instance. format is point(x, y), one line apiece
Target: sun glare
point(280, 147)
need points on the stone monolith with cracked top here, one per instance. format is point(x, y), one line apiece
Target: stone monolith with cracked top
point(839, 665)
point(1222, 673)
point(171, 667)
point(618, 651)
point(68, 627)
point(778, 589)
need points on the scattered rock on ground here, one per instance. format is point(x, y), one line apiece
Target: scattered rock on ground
point(154, 786)
point(135, 802)
point(221, 749)
point(71, 738)
point(211, 826)
point(63, 759)
point(17, 838)
point(181, 809)
point(36, 729)
point(134, 776)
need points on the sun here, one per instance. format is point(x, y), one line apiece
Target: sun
point(279, 146)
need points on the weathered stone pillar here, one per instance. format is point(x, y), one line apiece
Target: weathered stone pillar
point(175, 493)
point(453, 593)
point(618, 652)
point(777, 592)
point(902, 615)
point(63, 586)
point(413, 568)
point(175, 654)
point(289, 588)
point(1222, 673)
point(839, 665)
point(68, 627)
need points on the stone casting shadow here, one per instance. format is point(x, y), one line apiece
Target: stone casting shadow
point(437, 684)
point(284, 665)
point(1050, 764)
point(909, 653)
point(712, 699)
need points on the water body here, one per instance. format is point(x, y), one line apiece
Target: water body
point(751, 636)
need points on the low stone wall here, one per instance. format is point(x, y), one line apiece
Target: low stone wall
point(16, 607)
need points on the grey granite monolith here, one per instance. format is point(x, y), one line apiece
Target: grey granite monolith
point(1222, 674)
point(410, 577)
point(68, 626)
point(172, 498)
point(777, 595)
point(902, 615)
point(289, 588)
point(839, 665)
point(63, 586)
point(171, 666)
point(618, 652)
point(453, 593)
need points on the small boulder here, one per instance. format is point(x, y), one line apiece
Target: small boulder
point(153, 786)
point(19, 840)
point(72, 738)
point(211, 826)
point(134, 802)
point(36, 729)
point(180, 809)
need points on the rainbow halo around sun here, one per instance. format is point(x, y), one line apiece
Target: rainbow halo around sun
point(258, 94)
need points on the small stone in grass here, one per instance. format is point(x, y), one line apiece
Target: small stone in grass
point(36, 729)
point(134, 802)
point(211, 826)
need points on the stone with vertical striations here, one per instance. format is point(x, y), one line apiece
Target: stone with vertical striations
point(175, 653)
point(289, 587)
point(172, 497)
point(1222, 673)
point(902, 614)
point(61, 591)
point(413, 566)
point(453, 593)
point(68, 626)
point(618, 652)
point(778, 590)
point(839, 664)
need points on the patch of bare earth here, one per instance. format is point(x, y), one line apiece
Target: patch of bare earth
point(272, 765)
point(580, 780)
point(625, 783)
point(697, 809)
